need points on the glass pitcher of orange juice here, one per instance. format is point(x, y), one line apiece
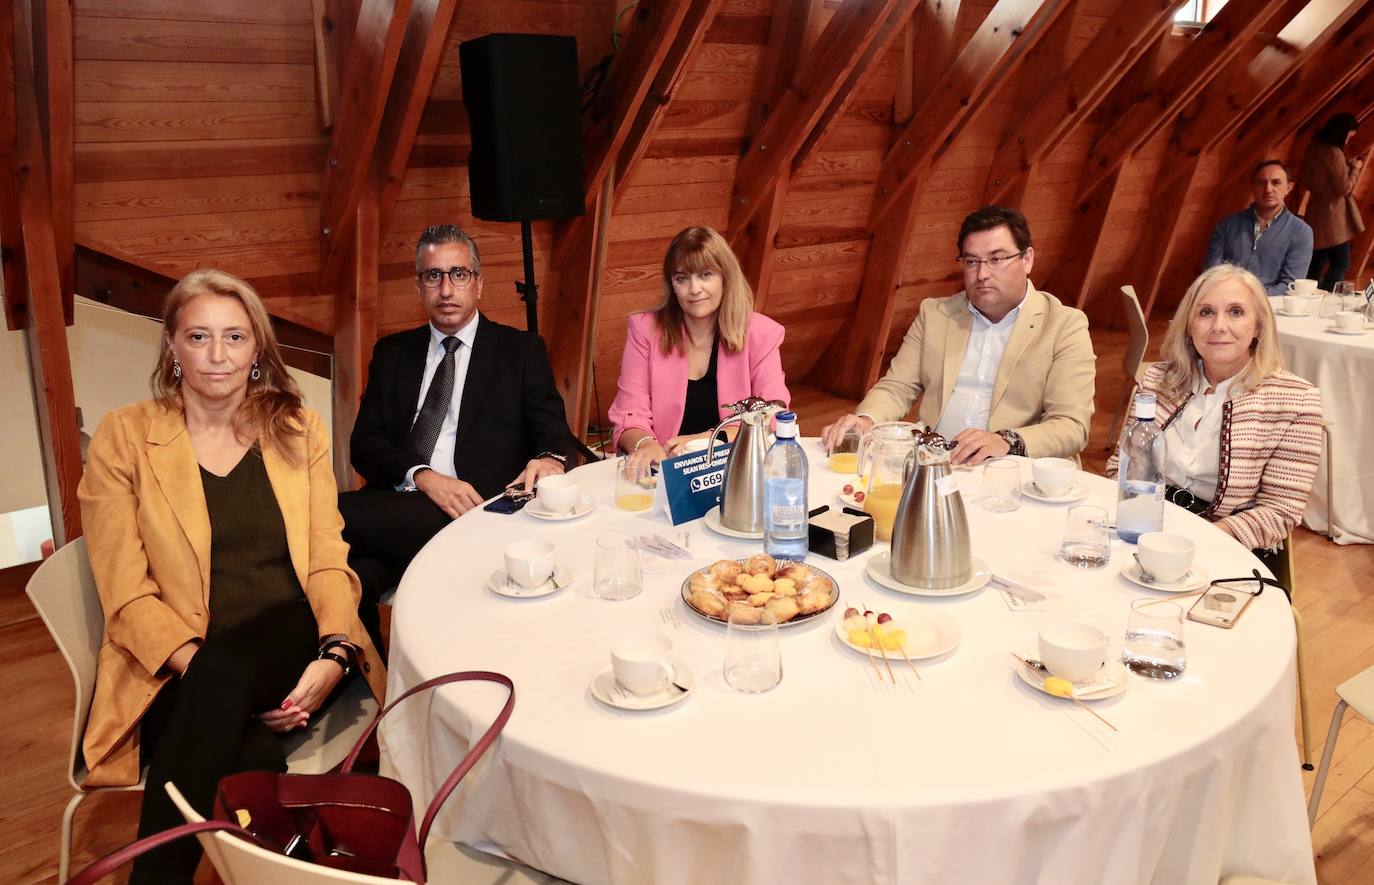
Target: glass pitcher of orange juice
point(882, 458)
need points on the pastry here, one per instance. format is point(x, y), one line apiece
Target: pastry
point(783, 608)
point(795, 571)
point(810, 603)
point(784, 586)
point(705, 581)
point(710, 604)
point(726, 570)
point(762, 564)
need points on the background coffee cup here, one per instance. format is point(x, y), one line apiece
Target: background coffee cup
point(642, 662)
point(529, 562)
point(557, 494)
point(1167, 557)
point(1304, 288)
point(1350, 320)
point(1053, 476)
point(1073, 651)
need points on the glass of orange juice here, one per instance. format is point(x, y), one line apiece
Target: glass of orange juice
point(632, 490)
point(844, 458)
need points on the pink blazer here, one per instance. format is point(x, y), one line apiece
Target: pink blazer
point(653, 387)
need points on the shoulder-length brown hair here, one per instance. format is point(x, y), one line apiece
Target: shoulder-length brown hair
point(696, 249)
point(272, 410)
point(1181, 372)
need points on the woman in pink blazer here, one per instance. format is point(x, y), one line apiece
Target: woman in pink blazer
point(704, 346)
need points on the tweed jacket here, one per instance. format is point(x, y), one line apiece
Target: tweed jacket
point(653, 385)
point(1044, 385)
point(1331, 208)
point(1271, 439)
point(148, 536)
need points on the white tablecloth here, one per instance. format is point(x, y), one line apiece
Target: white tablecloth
point(1343, 367)
point(969, 776)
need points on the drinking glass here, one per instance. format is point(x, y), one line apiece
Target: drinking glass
point(1330, 306)
point(1086, 543)
point(633, 491)
point(1345, 291)
point(753, 659)
point(1154, 639)
point(1001, 485)
point(618, 575)
point(844, 458)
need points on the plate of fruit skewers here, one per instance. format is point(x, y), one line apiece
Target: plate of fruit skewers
point(852, 494)
point(927, 635)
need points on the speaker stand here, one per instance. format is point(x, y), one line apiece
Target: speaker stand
point(528, 290)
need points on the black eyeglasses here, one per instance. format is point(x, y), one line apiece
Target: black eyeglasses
point(995, 263)
point(1251, 586)
point(461, 277)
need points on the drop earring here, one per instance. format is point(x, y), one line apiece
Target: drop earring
point(256, 373)
point(176, 370)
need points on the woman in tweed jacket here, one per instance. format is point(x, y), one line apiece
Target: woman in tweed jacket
point(1242, 435)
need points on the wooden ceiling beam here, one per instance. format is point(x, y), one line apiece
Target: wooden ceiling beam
point(53, 49)
point(1010, 31)
point(793, 27)
point(1213, 48)
point(1228, 100)
point(1044, 123)
point(641, 83)
point(45, 328)
point(839, 49)
point(13, 283)
point(365, 84)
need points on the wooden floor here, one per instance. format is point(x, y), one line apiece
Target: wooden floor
point(1335, 596)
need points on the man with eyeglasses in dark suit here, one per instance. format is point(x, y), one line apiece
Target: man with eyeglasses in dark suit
point(453, 412)
point(1000, 368)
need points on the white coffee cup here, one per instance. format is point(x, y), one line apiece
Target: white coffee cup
point(1350, 320)
point(557, 494)
point(1053, 476)
point(1305, 288)
point(642, 662)
point(1292, 304)
point(529, 562)
point(1167, 557)
point(697, 445)
point(1073, 651)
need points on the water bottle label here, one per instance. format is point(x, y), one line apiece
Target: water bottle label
point(946, 486)
point(788, 514)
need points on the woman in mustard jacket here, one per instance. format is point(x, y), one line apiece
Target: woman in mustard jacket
point(211, 521)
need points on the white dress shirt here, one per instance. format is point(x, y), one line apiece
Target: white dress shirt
point(1192, 442)
point(970, 402)
point(442, 459)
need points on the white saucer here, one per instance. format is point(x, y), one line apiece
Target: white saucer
point(946, 636)
point(712, 522)
point(879, 568)
point(500, 583)
point(1283, 313)
point(1339, 331)
point(1076, 492)
point(585, 505)
point(609, 692)
point(1113, 670)
point(1193, 579)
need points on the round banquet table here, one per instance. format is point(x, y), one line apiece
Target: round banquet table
point(1341, 365)
point(968, 775)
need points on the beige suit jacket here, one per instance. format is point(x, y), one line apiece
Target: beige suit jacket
point(148, 536)
point(1044, 386)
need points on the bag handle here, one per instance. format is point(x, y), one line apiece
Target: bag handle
point(474, 753)
point(116, 859)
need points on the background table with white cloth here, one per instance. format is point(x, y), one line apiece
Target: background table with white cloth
point(967, 776)
point(1343, 367)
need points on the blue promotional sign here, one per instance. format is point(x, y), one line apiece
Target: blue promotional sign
point(691, 485)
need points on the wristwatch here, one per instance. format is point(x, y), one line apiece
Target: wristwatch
point(1018, 445)
point(337, 640)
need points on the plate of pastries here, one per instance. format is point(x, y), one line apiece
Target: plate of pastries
point(791, 591)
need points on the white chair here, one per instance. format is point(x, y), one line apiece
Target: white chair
point(63, 591)
point(1356, 692)
point(1133, 361)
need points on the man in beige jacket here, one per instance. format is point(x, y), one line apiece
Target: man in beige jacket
point(1000, 368)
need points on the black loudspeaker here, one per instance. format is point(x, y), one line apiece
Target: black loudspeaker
point(522, 94)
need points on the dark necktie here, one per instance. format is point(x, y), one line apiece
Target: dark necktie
point(425, 432)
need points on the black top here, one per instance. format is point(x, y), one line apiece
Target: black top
point(250, 563)
point(702, 412)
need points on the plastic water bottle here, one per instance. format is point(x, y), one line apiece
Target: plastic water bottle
point(1140, 480)
point(784, 494)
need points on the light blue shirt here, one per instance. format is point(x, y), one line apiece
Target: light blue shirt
point(442, 459)
point(1278, 255)
point(970, 402)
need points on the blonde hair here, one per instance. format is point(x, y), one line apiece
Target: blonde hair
point(695, 249)
point(1181, 372)
point(272, 408)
